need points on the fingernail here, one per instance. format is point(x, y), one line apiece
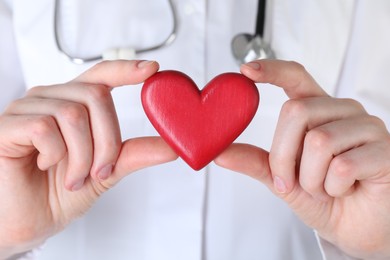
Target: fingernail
point(105, 172)
point(279, 184)
point(78, 185)
point(253, 65)
point(144, 63)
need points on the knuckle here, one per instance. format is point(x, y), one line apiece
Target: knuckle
point(98, 93)
point(378, 129)
point(376, 121)
point(43, 126)
point(295, 109)
point(35, 91)
point(354, 104)
point(298, 69)
point(73, 113)
point(317, 138)
point(342, 167)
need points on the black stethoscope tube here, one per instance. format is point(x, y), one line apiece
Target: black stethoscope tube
point(260, 20)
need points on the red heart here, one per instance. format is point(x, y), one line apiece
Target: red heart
point(199, 125)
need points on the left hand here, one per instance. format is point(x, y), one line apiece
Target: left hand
point(330, 161)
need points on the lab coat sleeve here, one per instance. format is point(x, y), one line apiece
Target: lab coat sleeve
point(330, 251)
point(11, 77)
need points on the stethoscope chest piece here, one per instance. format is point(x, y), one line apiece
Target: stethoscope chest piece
point(247, 47)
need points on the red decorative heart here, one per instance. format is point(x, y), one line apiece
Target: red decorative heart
point(199, 125)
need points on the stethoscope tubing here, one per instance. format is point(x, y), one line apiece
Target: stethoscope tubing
point(81, 60)
point(260, 19)
point(245, 47)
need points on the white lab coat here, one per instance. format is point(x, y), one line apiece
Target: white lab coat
point(169, 211)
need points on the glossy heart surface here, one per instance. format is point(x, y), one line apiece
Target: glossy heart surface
point(199, 124)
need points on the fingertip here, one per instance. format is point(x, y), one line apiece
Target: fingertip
point(146, 68)
point(74, 185)
point(142, 152)
point(280, 185)
point(104, 172)
point(140, 64)
point(246, 159)
point(252, 70)
point(253, 65)
point(75, 176)
point(119, 72)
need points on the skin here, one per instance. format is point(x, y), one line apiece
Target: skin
point(60, 149)
point(329, 161)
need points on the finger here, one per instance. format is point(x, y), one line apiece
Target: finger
point(247, 159)
point(21, 135)
point(92, 89)
point(104, 125)
point(291, 76)
point(327, 141)
point(119, 73)
point(297, 117)
point(363, 163)
point(137, 154)
point(74, 125)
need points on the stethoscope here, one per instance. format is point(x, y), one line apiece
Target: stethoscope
point(245, 47)
point(248, 47)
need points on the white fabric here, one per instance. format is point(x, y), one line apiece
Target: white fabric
point(330, 252)
point(12, 82)
point(372, 81)
point(169, 211)
point(30, 255)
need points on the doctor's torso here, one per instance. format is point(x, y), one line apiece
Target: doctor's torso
point(170, 211)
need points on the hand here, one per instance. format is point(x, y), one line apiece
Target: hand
point(330, 161)
point(60, 149)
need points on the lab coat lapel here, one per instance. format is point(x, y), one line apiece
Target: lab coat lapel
point(301, 32)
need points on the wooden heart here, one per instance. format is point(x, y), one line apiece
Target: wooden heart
point(199, 125)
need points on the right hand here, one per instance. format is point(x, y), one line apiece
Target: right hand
point(60, 149)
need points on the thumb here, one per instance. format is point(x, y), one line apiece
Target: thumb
point(249, 160)
point(118, 73)
point(139, 153)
